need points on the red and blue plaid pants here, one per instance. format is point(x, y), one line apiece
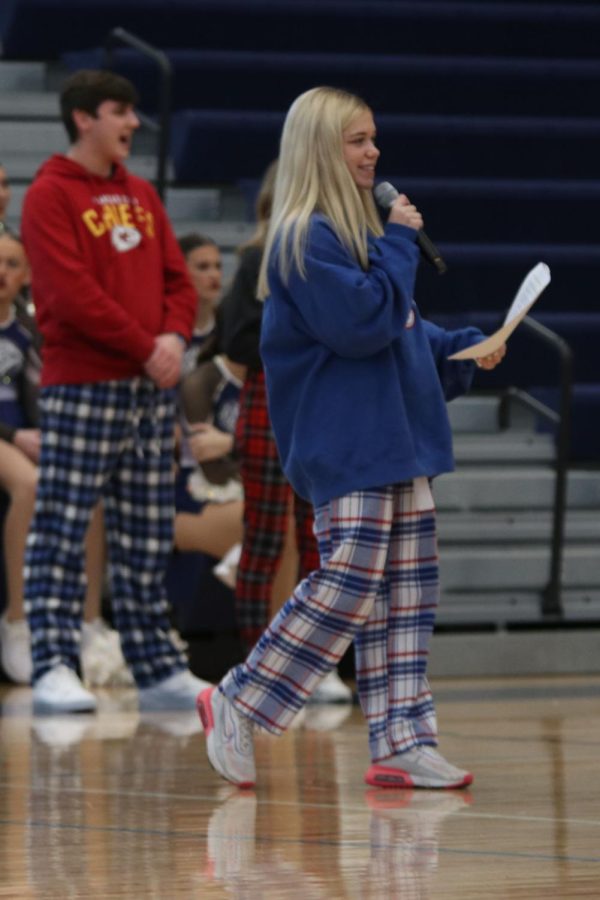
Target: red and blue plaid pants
point(378, 585)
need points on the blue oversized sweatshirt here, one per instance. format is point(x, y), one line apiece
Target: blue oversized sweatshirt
point(357, 382)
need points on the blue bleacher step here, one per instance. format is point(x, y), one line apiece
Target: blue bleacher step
point(194, 205)
point(25, 105)
point(470, 528)
point(495, 210)
point(581, 604)
point(22, 166)
point(502, 607)
point(228, 235)
point(205, 145)
point(509, 448)
point(457, 85)
point(474, 414)
point(477, 413)
point(22, 76)
point(487, 607)
point(47, 28)
point(32, 138)
point(502, 488)
point(515, 567)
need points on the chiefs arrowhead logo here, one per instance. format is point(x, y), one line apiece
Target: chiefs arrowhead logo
point(125, 238)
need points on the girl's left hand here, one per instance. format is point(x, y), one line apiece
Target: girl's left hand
point(491, 361)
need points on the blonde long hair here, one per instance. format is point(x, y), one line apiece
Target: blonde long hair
point(312, 176)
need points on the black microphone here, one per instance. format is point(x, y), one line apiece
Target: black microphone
point(385, 194)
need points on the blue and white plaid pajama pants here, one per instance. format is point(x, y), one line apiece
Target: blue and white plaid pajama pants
point(378, 585)
point(111, 440)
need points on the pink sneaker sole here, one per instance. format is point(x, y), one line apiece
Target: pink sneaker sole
point(205, 711)
point(204, 707)
point(388, 777)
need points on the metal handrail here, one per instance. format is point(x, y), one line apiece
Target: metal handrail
point(162, 128)
point(551, 596)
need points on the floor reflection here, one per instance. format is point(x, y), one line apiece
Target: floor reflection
point(124, 805)
point(403, 838)
point(405, 831)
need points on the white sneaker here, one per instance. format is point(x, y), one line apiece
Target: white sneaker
point(61, 691)
point(226, 569)
point(331, 689)
point(102, 660)
point(229, 741)
point(178, 691)
point(15, 650)
point(421, 766)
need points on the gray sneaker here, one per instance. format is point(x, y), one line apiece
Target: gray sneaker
point(421, 766)
point(60, 690)
point(178, 691)
point(229, 741)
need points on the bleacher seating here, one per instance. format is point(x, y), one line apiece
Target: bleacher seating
point(43, 29)
point(413, 83)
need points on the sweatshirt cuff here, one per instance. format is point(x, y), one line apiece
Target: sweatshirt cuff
point(394, 228)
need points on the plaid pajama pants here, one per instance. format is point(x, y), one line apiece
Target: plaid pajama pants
point(111, 440)
point(266, 502)
point(377, 585)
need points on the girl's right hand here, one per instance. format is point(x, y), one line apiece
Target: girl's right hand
point(403, 212)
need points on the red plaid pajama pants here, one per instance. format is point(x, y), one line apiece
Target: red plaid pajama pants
point(266, 502)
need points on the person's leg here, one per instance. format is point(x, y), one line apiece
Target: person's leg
point(18, 477)
point(312, 631)
point(95, 564)
point(308, 636)
point(286, 578)
point(70, 478)
point(391, 649)
point(331, 688)
point(392, 652)
point(414, 598)
point(101, 658)
point(139, 511)
point(214, 530)
point(266, 495)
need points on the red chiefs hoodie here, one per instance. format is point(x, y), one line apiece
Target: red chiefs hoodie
point(107, 272)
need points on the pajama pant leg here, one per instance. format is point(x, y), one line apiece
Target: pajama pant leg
point(392, 648)
point(311, 632)
point(266, 498)
point(139, 513)
point(79, 443)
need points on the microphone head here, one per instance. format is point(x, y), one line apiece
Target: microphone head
point(385, 193)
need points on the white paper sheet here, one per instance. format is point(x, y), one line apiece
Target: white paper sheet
point(533, 284)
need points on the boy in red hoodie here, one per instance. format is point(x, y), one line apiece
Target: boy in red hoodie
point(115, 308)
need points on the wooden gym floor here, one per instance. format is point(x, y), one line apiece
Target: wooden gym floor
point(119, 805)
